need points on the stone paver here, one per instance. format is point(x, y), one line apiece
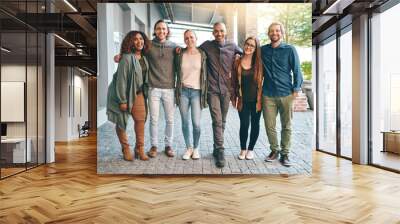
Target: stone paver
point(109, 156)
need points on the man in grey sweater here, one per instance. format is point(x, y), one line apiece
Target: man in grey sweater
point(162, 83)
point(162, 78)
point(220, 58)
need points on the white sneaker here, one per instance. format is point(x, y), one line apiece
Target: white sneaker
point(196, 154)
point(242, 154)
point(250, 154)
point(188, 154)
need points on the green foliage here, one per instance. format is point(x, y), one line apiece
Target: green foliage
point(296, 18)
point(306, 68)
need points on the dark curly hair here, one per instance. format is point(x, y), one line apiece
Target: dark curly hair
point(128, 46)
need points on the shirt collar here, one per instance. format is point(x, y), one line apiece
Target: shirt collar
point(281, 44)
point(220, 44)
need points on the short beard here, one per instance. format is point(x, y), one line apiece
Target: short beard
point(273, 41)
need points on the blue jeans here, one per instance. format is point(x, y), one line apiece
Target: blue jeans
point(190, 98)
point(167, 98)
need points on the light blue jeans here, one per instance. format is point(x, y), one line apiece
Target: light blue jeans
point(190, 99)
point(167, 98)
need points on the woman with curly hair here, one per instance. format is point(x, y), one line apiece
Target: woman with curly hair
point(127, 93)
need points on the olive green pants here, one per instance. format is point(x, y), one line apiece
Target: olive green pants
point(271, 107)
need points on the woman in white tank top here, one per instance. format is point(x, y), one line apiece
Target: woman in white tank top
point(191, 91)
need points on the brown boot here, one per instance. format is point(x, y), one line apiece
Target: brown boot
point(123, 139)
point(139, 153)
point(153, 152)
point(127, 154)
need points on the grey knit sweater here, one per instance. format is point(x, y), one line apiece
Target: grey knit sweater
point(161, 62)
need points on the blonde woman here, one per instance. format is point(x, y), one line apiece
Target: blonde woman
point(191, 91)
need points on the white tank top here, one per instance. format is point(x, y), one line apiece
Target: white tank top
point(191, 68)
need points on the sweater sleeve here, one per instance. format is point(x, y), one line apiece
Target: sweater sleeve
point(121, 80)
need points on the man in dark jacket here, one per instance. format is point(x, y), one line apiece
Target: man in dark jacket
point(220, 58)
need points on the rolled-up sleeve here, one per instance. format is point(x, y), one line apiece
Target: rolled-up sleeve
point(297, 74)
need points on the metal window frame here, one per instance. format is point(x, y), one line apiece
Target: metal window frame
point(386, 6)
point(381, 9)
point(339, 32)
point(44, 75)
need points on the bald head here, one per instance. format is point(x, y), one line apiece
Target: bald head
point(219, 31)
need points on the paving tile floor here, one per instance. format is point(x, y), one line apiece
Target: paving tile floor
point(110, 161)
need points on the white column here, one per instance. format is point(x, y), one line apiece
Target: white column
point(105, 62)
point(360, 90)
point(50, 99)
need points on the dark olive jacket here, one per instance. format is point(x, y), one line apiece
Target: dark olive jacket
point(122, 89)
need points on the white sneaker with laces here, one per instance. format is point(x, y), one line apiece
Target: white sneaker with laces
point(250, 155)
point(196, 154)
point(242, 154)
point(188, 154)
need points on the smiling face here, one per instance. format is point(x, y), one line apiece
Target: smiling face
point(219, 32)
point(190, 39)
point(249, 46)
point(138, 42)
point(275, 33)
point(161, 31)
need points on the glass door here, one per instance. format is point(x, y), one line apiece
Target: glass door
point(327, 96)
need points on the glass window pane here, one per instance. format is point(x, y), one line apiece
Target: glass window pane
point(327, 96)
point(31, 97)
point(346, 94)
point(386, 89)
point(13, 86)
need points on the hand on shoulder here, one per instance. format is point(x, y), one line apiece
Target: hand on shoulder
point(117, 58)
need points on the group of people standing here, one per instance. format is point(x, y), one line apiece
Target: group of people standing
point(256, 79)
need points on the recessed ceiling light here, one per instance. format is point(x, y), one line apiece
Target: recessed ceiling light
point(64, 40)
point(84, 71)
point(70, 5)
point(5, 50)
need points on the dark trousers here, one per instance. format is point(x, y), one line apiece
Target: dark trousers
point(219, 105)
point(249, 114)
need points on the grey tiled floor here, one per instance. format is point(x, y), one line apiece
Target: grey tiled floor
point(109, 157)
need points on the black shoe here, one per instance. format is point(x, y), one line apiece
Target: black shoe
point(215, 152)
point(220, 158)
point(285, 160)
point(272, 156)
